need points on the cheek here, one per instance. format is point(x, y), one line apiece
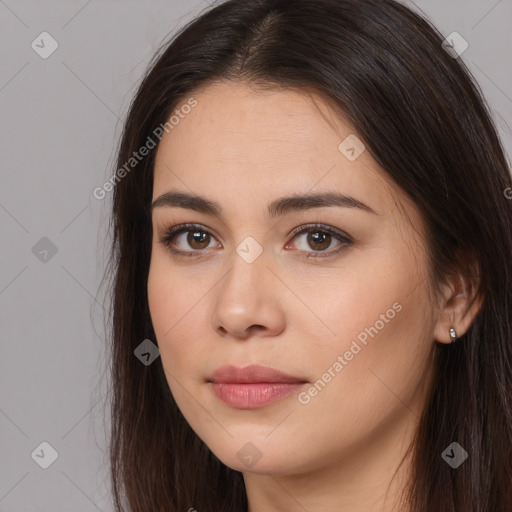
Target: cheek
point(170, 295)
point(361, 389)
point(381, 324)
point(175, 308)
point(360, 293)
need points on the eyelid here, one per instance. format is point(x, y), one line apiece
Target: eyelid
point(320, 227)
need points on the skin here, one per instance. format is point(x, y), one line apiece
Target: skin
point(243, 148)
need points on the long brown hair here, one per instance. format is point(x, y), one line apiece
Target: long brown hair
point(424, 120)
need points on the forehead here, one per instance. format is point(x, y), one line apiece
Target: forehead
point(239, 143)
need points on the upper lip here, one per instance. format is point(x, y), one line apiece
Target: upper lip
point(251, 374)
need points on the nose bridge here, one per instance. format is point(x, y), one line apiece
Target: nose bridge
point(244, 297)
point(248, 265)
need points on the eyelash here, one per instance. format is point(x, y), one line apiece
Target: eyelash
point(172, 232)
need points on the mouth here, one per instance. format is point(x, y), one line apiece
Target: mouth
point(252, 386)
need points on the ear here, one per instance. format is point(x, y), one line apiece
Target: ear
point(459, 305)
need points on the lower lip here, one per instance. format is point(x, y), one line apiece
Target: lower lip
point(251, 396)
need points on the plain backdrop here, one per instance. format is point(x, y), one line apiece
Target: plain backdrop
point(61, 118)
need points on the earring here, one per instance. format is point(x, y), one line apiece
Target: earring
point(453, 334)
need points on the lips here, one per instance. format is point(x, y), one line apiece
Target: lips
point(252, 374)
point(252, 386)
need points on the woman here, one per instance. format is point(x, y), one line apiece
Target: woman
point(310, 221)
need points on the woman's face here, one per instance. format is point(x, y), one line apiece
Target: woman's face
point(345, 313)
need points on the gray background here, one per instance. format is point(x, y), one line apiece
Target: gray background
point(61, 119)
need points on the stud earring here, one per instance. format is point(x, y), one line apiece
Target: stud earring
point(453, 334)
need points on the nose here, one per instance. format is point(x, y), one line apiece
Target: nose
point(249, 300)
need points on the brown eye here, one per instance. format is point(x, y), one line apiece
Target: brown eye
point(197, 239)
point(187, 239)
point(312, 241)
point(319, 240)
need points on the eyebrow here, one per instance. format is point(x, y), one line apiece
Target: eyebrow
point(279, 207)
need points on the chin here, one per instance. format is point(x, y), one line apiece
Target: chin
point(256, 455)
